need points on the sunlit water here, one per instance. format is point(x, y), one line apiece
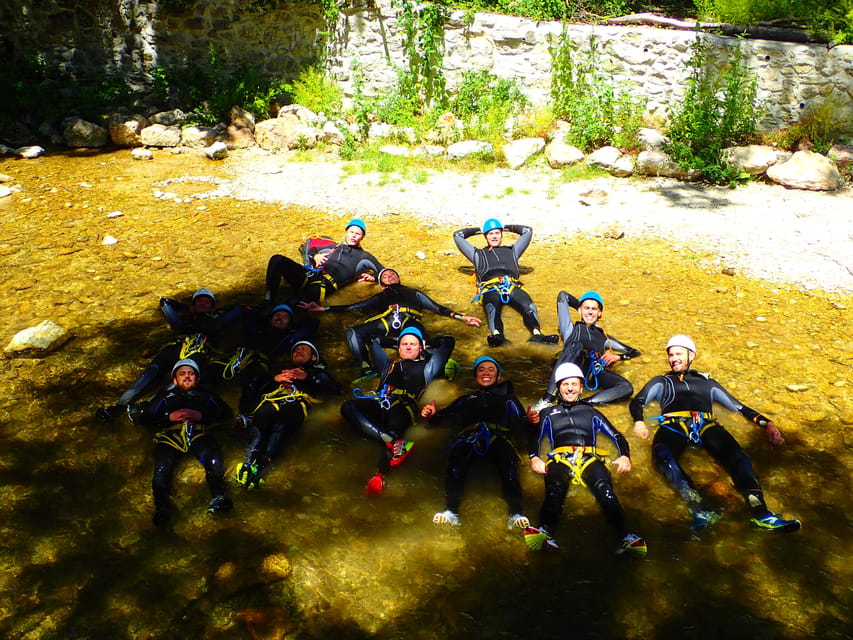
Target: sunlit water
point(309, 555)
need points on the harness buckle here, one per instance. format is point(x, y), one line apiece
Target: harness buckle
point(396, 317)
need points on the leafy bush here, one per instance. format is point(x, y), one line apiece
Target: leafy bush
point(716, 112)
point(315, 90)
point(817, 129)
point(583, 94)
point(485, 102)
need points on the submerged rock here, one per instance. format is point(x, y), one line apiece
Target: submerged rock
point(39, 340)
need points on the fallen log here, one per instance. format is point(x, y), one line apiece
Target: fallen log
point(759, 32)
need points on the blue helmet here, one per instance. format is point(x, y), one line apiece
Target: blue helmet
point(491, 224)
point(592, 295)
point(412, 331)
point(483, 359)
point(357, 222)
point(282, 307)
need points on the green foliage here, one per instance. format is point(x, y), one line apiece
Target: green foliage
point(832, 19)
point(207, 92)
point(315, 90)
point(484, 102)
point(718, 110)
point(583, 94)
point(817, 129)
point(422, 26)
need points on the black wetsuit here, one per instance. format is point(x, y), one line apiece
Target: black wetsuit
point(572, 429)
point(263, 348)
point(345, 264)
point(199, 337)
point(387, 414)
point(173, 439)
point(282, 410)
point(497, 276)
point(686, 419)
point(490, 415)
point(392, 309)
point(584, 345)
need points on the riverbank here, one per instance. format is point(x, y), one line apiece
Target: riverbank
point(792, 237)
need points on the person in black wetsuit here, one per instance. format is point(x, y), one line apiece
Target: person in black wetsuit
point(266, 342)
point(393, 309)
point(200, 326)
point(588, 346)
point(572, 427)
point(283, 408)
point(331, 270)
point(181, 413)
point(490, 415)
point(497, 272)
point(686, 399)
point(387, 413)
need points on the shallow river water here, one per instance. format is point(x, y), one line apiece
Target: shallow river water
point(309, 555)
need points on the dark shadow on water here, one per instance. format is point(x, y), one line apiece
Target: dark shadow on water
point(92, 566)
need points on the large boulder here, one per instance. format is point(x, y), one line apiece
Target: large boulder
point(125, 129)
point(160, 135)
point(841, 154)
point(560, 154)
point(753, 159)
point(286, 131)
point(806, 170)
point(654, 162)
point(81, 133)
point(611, 160)
point(197, 137)
point(466, 148)
point(518, 152)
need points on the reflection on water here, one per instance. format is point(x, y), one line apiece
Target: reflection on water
point(309, 555)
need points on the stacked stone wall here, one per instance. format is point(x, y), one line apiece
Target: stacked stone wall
point(130, 37)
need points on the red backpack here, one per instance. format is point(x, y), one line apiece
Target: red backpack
point(314, 245)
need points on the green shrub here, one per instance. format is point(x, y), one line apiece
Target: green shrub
point(484, 102)
point(315, 90)
point(583, 94)
point(718, 110)
point(817, 129)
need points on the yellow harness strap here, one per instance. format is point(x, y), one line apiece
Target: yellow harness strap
point(286, 394)
point(196, 343)
point(180, 436)
point(395, 309)
point(686, 422)
point(577, 458)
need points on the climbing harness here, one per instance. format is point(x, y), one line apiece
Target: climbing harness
point(596, 366)
point(384, 396)
point(180, 436)
point(690, 424)
point(577, 458)
point(193, 344)
point(398, 316)
point(504, 285)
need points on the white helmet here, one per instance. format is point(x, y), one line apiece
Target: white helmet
point(567, 370)
point(680, 340)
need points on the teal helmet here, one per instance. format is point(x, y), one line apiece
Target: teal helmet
point(413, 331)
point(483, 359)
point(357, 222)
point(491, 224)
point(592, 295)
point(281, 307)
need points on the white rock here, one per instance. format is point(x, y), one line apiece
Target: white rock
point(109, 240)
point(420, 255)
point(5, 191)
point(30, 152)
point(115, 214)
point(44, 337)
point(217, 151)
point(140, 153)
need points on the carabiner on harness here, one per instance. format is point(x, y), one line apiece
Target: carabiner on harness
point(396, 317)
point(383, 396)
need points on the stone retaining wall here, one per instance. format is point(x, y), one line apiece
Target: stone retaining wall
point(129, 36)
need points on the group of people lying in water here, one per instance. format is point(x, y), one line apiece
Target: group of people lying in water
point(282, 373)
